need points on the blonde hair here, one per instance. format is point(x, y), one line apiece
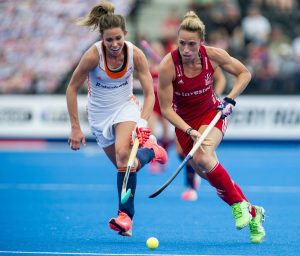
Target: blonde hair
point(102, 17)
point(191, 22)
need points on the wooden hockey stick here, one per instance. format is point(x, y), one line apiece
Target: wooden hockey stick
point(189, 156)
point(125, 194)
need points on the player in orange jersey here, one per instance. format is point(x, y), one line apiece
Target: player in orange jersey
point(114, 114)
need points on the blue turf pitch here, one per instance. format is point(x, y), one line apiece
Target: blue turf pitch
point(55, 201)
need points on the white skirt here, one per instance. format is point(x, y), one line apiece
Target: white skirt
point(103, 130)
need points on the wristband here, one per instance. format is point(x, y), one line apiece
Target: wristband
point(229, 100)
point(188, 131)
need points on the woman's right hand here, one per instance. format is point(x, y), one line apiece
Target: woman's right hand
point(76, 138)
point(195, 135)
point(142, 132)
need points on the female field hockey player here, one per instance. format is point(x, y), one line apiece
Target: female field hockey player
point(192, 180)
point(113, 112)
point(187, 100)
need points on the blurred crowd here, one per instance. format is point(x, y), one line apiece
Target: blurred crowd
point(263, 34)
point(40, 43)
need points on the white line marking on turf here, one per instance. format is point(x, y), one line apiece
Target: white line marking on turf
point(145, 187)
point(92, 150)
point(58, 187)
point(107, 254)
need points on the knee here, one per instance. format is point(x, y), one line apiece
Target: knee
point(122, 156)
point(204, 161)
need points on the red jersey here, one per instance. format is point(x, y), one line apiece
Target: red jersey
point(193, 97)
point(154, 75)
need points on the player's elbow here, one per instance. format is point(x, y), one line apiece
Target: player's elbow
point(249, 75)
point(71, 91)
point(246, 76)
point(165, 111)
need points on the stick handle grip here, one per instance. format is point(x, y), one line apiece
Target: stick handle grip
point(152, 54)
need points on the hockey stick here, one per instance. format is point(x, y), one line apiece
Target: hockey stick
point(189, 156)
point(125, 194)
point(150, 52)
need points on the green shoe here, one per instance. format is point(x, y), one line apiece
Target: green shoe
point(241, 214)
point(257, 231)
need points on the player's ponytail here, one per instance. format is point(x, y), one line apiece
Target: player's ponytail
point(102, 17)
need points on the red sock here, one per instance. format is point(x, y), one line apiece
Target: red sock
point(220, 179)
point(238, 189)
point(253, 211)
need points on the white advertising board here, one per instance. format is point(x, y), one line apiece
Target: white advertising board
point(38, 116)
point(265, 117)
point(254, 117)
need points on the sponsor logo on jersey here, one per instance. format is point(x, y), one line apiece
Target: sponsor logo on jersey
point(208, 78)
point(180, 82)
point(98, 84)
point(192, 93)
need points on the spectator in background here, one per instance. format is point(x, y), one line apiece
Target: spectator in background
point(283, 6)
point(256, 27)
point(296, 54)
point(40, 34)
point(282, 59)
point(296, 47)
point(263, 70)
point(169, 28)
point(219, 38)
point(47, 61)
point(232, 15)
point(287, 69)
point(225, 15)
point(124, 7)
point(45, 56)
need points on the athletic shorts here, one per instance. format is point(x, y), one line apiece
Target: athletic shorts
point(104, 131)
point(186, 141)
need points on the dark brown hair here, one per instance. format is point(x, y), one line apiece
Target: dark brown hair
point(102, 17)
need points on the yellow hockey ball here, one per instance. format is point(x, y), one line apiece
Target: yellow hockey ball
point(152, 243)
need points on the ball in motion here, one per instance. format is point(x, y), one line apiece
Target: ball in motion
point(152, 243)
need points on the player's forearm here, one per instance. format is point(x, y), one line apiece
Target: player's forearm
point(241, 82)
point(148, 105)
point(174, 118)
point(72, 105)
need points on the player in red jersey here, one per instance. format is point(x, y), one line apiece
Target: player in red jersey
point(192, 180)
point(187, 100)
